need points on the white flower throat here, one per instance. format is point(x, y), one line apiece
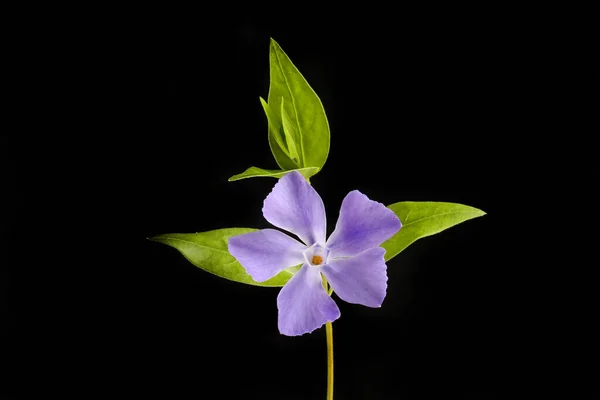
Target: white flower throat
point(316, 255)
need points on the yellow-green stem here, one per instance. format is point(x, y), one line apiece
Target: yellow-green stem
point(329, 333)
point(329, 330)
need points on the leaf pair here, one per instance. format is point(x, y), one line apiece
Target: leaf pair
point(298, 130)
point(208, 250)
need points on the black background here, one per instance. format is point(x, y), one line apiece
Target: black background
point(155, 110)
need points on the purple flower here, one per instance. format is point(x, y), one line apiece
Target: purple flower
point(350, 259)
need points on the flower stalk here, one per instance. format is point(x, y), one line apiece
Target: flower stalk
point(329, 331)
point(329, 336)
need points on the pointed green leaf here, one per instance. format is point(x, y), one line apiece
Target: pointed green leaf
point(276, 136)
point(254, 172)
point(421, 219)
point(283, 160)
point(208, 250)
point(291, 135)
point(303, 107)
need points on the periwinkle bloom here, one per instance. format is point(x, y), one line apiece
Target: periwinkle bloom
point(351, 259)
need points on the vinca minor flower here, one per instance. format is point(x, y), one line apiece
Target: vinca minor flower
point(351, 259)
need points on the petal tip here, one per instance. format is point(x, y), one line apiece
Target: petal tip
point(232, 245)
point(398, 220)
point(280, 181)
point(380, 252)
point(257, 277)
point(301, 332)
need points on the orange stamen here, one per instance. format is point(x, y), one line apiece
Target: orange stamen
point(316, 260)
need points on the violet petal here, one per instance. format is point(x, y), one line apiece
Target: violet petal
point(303, 303)
point(362, 224)
point(294, 205)
point(265, 253)
point(361, 279)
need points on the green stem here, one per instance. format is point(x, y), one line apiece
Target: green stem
point(329, 333)
point(329, 330)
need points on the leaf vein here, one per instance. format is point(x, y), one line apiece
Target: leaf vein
point(198, 244)
point(434, 216)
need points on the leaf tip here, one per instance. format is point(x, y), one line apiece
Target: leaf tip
point(156, 239)
point(274, 46)
point(480, 213)
point(236, 177)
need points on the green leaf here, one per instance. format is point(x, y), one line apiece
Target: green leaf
point(208, 250)
point(254, 172)
point(421, 219)
point(276, 138)
point(291, 135)
point(303, 107)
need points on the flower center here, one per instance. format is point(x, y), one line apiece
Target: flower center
point(316, 255)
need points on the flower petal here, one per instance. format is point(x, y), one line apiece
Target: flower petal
point(361, 279)
point(362, 224)
point(294, 205)
point(303, 303)
point(265, 253)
